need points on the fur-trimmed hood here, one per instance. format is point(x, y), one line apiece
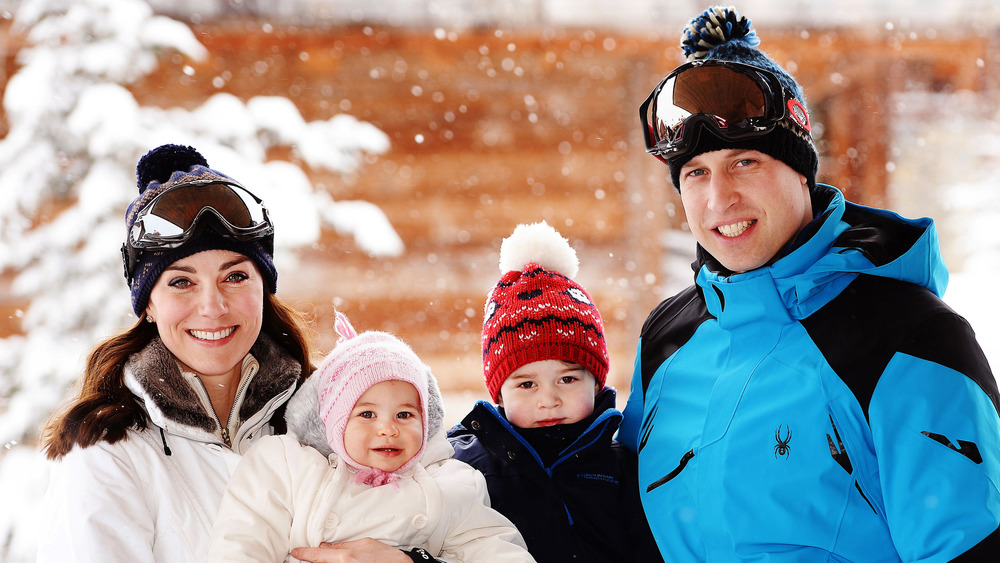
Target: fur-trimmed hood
point(173, 404)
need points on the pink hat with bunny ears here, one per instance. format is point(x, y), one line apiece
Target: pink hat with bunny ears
point(358, 362)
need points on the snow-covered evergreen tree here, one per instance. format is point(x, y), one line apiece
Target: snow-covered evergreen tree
point(75, 135)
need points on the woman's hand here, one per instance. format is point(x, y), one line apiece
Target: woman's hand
point(364, 550)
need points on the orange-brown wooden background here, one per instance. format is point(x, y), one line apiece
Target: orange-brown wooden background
point(491, 129)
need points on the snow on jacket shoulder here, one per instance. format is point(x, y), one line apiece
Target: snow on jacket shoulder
point(286, 495)
point(828, 406)
point(152, 496)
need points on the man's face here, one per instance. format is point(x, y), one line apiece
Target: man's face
point(743, 206)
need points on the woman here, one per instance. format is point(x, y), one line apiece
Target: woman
point(166, 408)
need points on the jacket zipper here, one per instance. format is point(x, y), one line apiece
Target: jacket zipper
point(223, 430)
point(680, 467)
point(839, 453)
point(238, 400)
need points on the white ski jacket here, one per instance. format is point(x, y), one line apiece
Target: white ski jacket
point(152, 497)
point(288, 495)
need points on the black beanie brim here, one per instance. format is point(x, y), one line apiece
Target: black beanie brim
point(782, 143)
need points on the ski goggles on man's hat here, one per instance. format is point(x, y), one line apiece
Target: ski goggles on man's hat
point(734, 101)
point(182, 212)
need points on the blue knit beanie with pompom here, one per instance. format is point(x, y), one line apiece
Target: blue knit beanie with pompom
point(720, 33)
point(162, 168)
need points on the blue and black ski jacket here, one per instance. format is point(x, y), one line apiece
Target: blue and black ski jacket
point(827, 407)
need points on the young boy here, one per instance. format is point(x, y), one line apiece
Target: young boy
point(380, 469)
point(547, 449)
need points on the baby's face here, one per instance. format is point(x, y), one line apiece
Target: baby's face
point(385, 428)
point(547, 393)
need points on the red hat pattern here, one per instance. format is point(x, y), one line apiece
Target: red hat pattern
point(537, 312)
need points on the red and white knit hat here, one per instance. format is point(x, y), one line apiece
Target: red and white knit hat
point(358, 362)
point(537, 312)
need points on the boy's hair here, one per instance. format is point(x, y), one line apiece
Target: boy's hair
point(358, 362)
point(537, 312)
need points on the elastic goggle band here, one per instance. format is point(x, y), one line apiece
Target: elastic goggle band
point(734, 100)
point(181, 212)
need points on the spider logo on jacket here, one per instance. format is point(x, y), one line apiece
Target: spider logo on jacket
point(782, 448)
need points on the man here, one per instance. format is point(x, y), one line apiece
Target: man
point(810, 398)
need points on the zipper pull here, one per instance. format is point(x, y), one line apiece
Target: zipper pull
point(225, 438)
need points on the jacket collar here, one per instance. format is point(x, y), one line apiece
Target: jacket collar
point(497, 434)
point(173, 403)
point(844, 240)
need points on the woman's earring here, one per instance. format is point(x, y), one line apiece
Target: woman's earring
point(149, 318)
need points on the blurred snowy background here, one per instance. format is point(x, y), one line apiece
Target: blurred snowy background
point(67, 103)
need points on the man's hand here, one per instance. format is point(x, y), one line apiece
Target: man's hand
point(364, 550)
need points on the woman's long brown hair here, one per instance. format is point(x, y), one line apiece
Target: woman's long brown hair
point(105, 408)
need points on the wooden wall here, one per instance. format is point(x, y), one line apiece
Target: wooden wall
point(492, 129)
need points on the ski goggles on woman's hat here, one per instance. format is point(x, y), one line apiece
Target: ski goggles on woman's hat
point(182, 212)
point(734, 101)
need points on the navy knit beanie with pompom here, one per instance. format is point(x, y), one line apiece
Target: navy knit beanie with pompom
point(720, 33)
point(165, 167)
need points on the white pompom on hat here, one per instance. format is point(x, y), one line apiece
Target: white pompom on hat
point(539, 243)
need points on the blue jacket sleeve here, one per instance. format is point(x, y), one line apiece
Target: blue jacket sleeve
point(628, 432)
point(936, 433)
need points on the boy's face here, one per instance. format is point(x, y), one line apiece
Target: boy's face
point(547, 393)
point(385, 428)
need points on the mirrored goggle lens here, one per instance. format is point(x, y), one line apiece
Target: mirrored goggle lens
point(174, 212)
point(735, 98)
